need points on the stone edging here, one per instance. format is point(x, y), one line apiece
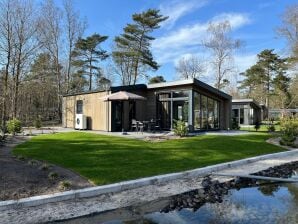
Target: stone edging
point(127, 185)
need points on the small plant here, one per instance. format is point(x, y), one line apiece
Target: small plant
point(44, 167)
point(64, 185)
point(37, 123)
point(53, 175)
point(14, 126)
point(257, 126)
point(180, 128)
point(235, 125)
point(33, 162)
point(21, 157)
point(271, 128)
point(30, 132)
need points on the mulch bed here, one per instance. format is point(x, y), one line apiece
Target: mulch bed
point(21, 177)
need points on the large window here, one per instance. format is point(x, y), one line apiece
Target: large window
point(206, 112)
point(197, 111)
point(79, 106)
point(216, 114)
point(172, 106)
point(241, 121)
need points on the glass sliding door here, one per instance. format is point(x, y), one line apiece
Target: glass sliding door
point(204, 107)
point(216, 114)
point(210, 113)
point(171, 106)
point(206, 112)
point(197, 111)
point(164, 110)
point(180, 110)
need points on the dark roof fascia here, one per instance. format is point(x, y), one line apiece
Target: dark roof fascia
point(128, 88)
point(212, 89)
point(250, 101)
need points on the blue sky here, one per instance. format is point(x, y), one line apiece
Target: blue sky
point(253, 22)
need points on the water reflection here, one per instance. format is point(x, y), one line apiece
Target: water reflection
point(273, 203)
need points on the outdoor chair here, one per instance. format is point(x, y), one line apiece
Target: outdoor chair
point(141, 126)
point(134, 125)
point(157, 125)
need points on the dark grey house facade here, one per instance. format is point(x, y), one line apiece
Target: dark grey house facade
point(246, 112)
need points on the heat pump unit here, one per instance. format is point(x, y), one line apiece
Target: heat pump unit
point(81, 122)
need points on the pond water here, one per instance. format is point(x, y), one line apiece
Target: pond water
point(270, 203)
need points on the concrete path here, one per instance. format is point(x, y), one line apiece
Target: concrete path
point(133, 135)
point(84, 206)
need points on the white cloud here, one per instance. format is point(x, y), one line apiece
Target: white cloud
point(244, 61)
point(179, 8)
point(188, 39)
point(236, 20)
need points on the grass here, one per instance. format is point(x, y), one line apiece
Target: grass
point(263, 128)
point(108, 159)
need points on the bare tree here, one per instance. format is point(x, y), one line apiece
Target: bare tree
point(289, 28)
point(25, 23)
point(190, 67)
point(50, 36)
point(6, 46)
point(75, 27)
point(221, 46)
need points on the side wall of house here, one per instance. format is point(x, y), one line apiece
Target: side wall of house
point(97, 111)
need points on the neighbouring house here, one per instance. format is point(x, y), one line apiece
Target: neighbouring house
point(201, 106)
point(247, 112)
point(277, 113)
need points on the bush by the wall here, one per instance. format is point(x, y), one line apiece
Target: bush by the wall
point(14, 126)
point(257, 126)
point(235, 125)
point(180, 128)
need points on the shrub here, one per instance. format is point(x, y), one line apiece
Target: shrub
point(32, 162)
point(21, 157)
point(271, 128)
point(64, 185)
point(53, 175)
point(235, 125)
point(37, 123)
point(289, 129)
point(257, 126)
point(14, 126)
point(180, 128)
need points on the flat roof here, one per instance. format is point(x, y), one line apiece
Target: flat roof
point(193, 81)
point(246, 101)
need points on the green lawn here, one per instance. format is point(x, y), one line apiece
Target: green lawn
point(263, 128)
point(107, 159)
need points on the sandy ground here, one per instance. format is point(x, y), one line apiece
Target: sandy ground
point(19, 179)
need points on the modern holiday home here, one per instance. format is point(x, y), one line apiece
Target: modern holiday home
point(246, 112)
point(156, 106)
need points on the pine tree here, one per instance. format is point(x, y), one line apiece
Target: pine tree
point(267, 76)
point(133, 46)
point(87, 54)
